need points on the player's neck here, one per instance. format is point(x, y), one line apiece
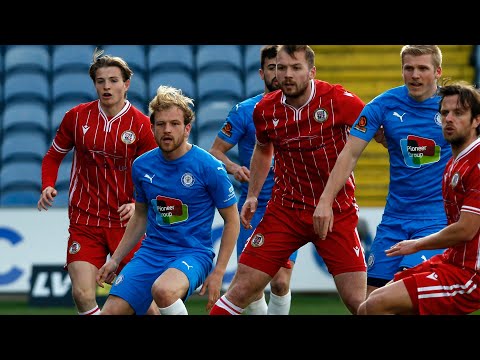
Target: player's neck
point(112, 110)
point(178, 152)
point(298, 101)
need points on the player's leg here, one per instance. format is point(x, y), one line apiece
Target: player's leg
point(259, 305)
point(131, 291)
point(247, 283)
point(389, 299)
point(82, 276)
point(351, 287)
point(280, 293)
point(381, 268)
point(168, 290)
point(419, 228)
point(179, 281)
point(343, 254)
point(268, 249)
point(115, 305)
point(86, 253)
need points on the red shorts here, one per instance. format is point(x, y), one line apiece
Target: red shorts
point(282, 231)
point(93, 244)
point(439, 288)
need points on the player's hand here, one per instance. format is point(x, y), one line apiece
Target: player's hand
point(213, 283)
point(323, 219)
point(126, 211)
point(248, 210)
point(380, 137)
point(107, 273)
point(404, 247)
point(46, 198)
point(241, 173)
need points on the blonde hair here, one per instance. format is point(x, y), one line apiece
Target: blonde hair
point(168, 96)
point(419, 50)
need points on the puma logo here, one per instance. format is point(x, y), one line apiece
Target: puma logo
point(188, 266)
point(149, 177)
point(399, 116)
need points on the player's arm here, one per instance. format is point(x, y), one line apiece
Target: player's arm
point(346, 162)
point(228, 240)
point(465, 229)
point(219, 149)
point(134, 231)
point(50, 165)
point(259, 167)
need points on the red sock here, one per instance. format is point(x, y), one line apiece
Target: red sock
point(224, 307)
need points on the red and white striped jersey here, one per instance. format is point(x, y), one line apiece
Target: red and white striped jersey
point(461, 192)
point(307, 142)
point(104, 150)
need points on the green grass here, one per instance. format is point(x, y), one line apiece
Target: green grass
point(302, 304)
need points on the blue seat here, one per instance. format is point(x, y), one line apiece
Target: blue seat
point(220, 84)
point(21, 145)
point(19, 197)
point(73, 86)
point(61, 200)
point(72, 58)
point(26, 86)
point(28, 114)
point(27, 58)
point(138, 92)
point(25, 173)
point(220, 57)
point(213, 112)
point(134, 55)
point(179, 80)
point(252, 58)
point(59, 109)
point(140, 104)
point(207, 134)
point(171, 58)
point(254, 85)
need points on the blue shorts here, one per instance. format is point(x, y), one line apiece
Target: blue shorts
point(134, 283)
point(246, 233)
point(391, 230)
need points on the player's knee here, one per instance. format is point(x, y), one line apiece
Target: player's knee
point(280, 286)
point(82, 295)
point(164, 296)
point(374, 305)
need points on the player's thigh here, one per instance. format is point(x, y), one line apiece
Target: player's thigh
point(82, 275)
point(86, 243)
point(390, 299)
point(389, 232)
point(116, 306)
point(134, 283)
point(420, 228)
point(194, 267)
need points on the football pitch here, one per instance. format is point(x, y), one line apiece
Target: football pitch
point(302, 304)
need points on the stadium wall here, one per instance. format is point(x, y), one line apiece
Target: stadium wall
point(29, 237)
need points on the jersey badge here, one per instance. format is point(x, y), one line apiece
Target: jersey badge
point(74, 248)
point(128, 137)
point(227, 129)
point(361, 124)
point(188, 180)
point(258, 240)
point(320, 115)
point(455, 179)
